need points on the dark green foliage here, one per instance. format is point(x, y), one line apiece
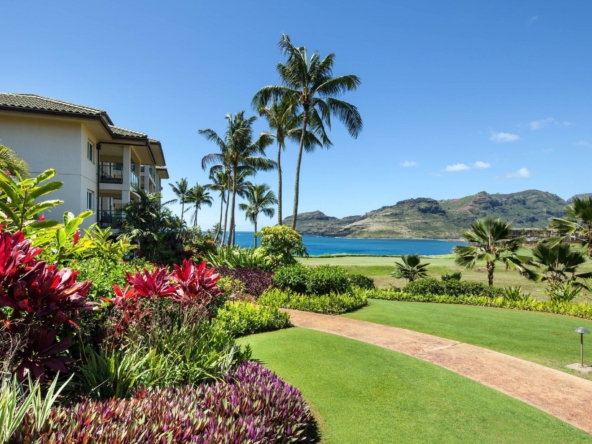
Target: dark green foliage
point(327, 304)
point(364, 282)
point(433, 286)
point(320, 280)
point(293, 277)
point(579, 310)
point(410, 268)
point(242, 318)
point(452, 276)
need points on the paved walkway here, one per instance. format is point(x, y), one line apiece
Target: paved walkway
point(562, 395)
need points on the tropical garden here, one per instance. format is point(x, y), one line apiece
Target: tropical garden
point(162, 332)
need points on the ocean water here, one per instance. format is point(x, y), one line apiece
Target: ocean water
point(317, 245)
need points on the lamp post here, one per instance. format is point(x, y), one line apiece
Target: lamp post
point(582, 331)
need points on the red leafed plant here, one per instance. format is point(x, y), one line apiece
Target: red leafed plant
point(188, 285)
point(196, 284)
point(36, 301)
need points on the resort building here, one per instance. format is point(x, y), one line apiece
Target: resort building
point(100, 164)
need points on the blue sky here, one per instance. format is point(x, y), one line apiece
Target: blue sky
point(456, 97)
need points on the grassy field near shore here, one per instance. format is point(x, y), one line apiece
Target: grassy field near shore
point(379, 268)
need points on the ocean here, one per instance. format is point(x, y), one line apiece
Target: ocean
point(317, 245)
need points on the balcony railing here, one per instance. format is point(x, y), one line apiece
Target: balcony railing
point(150, 170)
point(110, 172)
point(134, 180)
point(111, 218)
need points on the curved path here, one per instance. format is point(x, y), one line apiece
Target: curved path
point(562, 395)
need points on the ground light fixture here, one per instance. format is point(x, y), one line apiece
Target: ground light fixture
point(582, 331)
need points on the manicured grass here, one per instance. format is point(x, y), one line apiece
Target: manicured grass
point(547, 339)
point(367, 394)
point(379, 268)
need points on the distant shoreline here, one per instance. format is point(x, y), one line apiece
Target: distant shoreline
point(377, 238)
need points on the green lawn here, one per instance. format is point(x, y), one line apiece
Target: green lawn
point(547, 339)
point(379, 268)
point(362, 393)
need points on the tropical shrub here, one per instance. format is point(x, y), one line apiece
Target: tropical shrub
point(410, 268)
point(237, 257)
point(291, 277)
point(19, 404)
point(242, 318)
point(37, 300)
point(451, 276)
point(281, 244)
point(565, 292)
point(233, 289)
point(255, 281)
point(329, 304)
point(361, 281)
point(451, 288)
point(580, 310)
point(320, 280)
point(515, 294)
point(250, 405)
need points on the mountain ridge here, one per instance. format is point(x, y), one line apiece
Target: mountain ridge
point(427, 218)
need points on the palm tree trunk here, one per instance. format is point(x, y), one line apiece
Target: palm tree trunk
point(490, 270)
point(221, 214)
point(182, 209)
point(195, 220)
point(297, 181)
point(232, 228)
point(226, 217)
point(255, 233)
point(279, 167)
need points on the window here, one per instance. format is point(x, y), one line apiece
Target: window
point(90, 151)
point(90, 199)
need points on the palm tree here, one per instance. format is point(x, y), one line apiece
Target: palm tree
point(238, 152)
point(198, 195)
point(491, 241)
point(578, 222)
point(283, 119)
point(220, 184)
point(261, 200)
point(12, 163)
point(180, 189)
point(556, 263)
point(310, 85)
point(411, 268)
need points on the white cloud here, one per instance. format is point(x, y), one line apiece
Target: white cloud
point(408, 164)
point(566, 123)
point(538, 124)
point(457, 167)
point(504, 137)
point(583, 143)
point(481, 165)
point(532, 19)
point(522, 172)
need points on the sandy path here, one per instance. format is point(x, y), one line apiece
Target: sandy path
point(562, 395)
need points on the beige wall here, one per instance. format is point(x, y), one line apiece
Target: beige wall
point(59, 144)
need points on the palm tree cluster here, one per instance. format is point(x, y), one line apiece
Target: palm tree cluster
point(297, 110)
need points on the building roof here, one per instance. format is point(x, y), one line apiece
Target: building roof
point(34, 103)
point(127, 133)
point(40, 103)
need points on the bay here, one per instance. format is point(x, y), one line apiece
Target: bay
point(317, 245)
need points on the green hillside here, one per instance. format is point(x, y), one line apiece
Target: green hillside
point(431, 219)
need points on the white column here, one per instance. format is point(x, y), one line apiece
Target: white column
point(127, 165)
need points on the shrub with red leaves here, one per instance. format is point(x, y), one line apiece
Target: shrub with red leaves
point(256, 281)
point(188, 285)
point(37, 300)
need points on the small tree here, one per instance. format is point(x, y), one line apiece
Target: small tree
point(556, 264)
point(261, 200)
point(411, 268)
point(577, 223)
point(282, 243)
point(491, 242)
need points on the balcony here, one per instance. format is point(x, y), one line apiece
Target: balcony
point(150, 170)
point(134, 180)
point(110, 172)
point(111, 218)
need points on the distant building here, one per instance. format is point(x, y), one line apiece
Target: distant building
point(99, 163)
